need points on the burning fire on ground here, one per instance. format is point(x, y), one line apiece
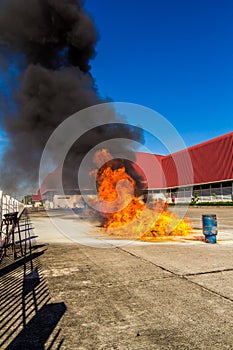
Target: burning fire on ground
point(125, 215)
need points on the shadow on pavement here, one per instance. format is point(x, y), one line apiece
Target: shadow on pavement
point(28, 319)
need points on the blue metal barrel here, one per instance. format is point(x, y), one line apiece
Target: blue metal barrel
point(210, 229)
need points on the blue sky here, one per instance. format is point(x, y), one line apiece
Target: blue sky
point(175, 57)
point(7, 80)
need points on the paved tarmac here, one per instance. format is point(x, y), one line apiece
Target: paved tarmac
point(136, 295)
point(66, 227)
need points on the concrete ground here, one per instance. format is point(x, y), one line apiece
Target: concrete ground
point(119, 294)
point(61, 227)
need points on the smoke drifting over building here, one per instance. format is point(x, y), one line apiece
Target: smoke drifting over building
point(55, 40)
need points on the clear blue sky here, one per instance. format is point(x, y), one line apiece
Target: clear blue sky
point(173, 56)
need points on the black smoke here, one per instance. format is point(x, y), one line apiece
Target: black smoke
point(56, 40)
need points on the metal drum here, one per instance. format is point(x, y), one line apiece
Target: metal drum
point(209, 225)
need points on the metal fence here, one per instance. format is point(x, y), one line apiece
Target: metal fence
point(10, 232)
point(9, 204)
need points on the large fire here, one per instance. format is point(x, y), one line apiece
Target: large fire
point(125, 215)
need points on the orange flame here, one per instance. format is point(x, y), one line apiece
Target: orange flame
point(120, 208)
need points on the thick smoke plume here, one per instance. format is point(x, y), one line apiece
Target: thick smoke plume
point(55, 40)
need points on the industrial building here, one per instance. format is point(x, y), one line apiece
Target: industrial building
point(202, 173)
point(211, 176)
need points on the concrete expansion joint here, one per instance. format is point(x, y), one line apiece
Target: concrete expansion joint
point(186, 276)
point(206, 272)
point(207, 289)
point(210, 291)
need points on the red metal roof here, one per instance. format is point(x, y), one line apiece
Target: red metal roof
point(210, 161)
point(51, 182)
point(151, 168)
point(37, 197)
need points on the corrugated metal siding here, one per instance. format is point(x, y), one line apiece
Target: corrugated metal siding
point(151, 169)
point(211, 161)
point(51, 182)
point(170, 178)
point(178, 169)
